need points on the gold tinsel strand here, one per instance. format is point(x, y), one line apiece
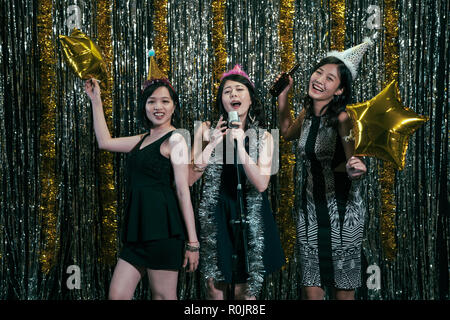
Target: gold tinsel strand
point(107, 188)
point(337, 9)
point(218, 43)
point(48, 212)
point(388, 208)
point(161, 43)
point(387, 176)
point(287, 158)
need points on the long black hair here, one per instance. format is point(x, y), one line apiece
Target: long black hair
point(339, 102)
point(255, 112)
point(148, 91)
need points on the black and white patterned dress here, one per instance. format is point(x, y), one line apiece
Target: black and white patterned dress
point(331, 212)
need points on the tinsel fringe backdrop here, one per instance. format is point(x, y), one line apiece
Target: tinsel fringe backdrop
point(62, 200)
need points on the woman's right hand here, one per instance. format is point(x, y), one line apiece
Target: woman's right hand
point(216, 136)
point(92, 89)
point(288, 87)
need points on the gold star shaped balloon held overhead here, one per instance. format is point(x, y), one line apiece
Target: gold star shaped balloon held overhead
point(84, 57)
point(382, 126)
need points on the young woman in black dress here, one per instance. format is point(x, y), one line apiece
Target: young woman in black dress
point(219, 202)
point(159, 218)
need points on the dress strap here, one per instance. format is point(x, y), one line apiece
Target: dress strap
point(144, 136)
point(164, 137)
point(159, 141)
point(138, 145)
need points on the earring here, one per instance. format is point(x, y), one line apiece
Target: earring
point(251, 117)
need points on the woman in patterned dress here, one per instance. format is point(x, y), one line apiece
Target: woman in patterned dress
point(331, 213)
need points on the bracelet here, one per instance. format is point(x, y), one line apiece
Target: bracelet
point(350, 137)
point(192, 248)
point(197, 168)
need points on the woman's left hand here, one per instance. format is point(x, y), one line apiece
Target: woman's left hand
point(355, 168)
point(192, 258)
point(237, 134)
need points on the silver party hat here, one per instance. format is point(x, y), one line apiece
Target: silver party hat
point(352, 56)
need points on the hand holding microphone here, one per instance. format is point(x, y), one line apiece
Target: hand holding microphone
point(233, 120)
point(223, 127)
point(234, 124)
point(216, 135)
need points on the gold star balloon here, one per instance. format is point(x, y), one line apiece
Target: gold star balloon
point(382, 126)
point(84, 56)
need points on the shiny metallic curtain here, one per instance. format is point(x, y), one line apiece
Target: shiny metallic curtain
point(419, 269)
point(19, 156)
point(421, 190)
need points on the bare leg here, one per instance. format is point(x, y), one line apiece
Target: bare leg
point(216, 291)
point(340, 294)
point(313, 293)
point(241, 292)
point(124, 281)
point(163, 284)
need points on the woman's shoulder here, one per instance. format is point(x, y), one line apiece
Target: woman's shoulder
point(176, 138)
point(343, 116)
point(344, 121)
point(266, 135)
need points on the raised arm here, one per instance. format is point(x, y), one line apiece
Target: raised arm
point(289, 128)
point(200, 155)
point(104, 139)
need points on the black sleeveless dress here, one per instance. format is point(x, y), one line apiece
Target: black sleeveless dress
point(154, 231)
point(226, 211)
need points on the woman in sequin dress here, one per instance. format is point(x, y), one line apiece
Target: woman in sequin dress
point(219, 200)
point(331, 212)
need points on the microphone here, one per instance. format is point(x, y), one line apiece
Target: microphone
point(233, 117)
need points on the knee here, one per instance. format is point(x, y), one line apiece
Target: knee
point(244, 296)
point(164, 296)
point(163, 291)
point(313, 293)
point(241, 293)
point(345, 295)
point(116, 293)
